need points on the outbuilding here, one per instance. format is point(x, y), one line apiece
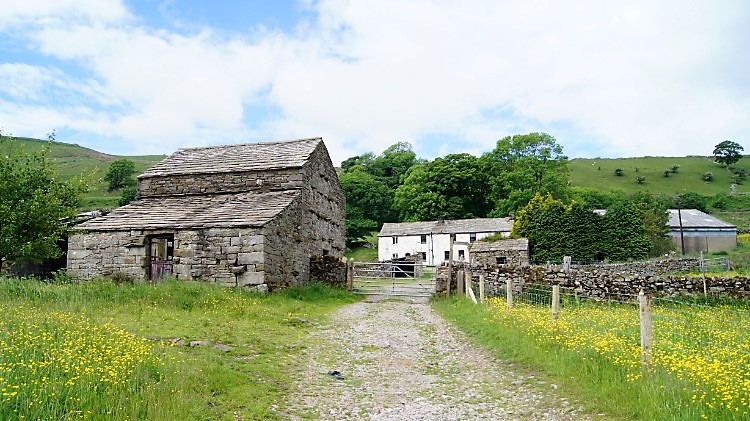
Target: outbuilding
point(701, 232)
point(239, 215)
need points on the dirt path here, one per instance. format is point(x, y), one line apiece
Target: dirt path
point(398, 360)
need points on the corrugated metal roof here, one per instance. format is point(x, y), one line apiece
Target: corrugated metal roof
point(693, 218)
point(511, 244)
point(236, 158)
point(205, 211)
point(457, 226)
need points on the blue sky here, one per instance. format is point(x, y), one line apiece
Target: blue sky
point(607, 79)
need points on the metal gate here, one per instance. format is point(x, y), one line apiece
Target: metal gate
point(395, 279)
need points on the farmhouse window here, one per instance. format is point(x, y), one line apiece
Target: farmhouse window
point(423, 239)
point(473, 237)
point(501, 260)
point(394, 255)
point(423, 255)
point(447, 255)
point(395, 240)
point(461, 255)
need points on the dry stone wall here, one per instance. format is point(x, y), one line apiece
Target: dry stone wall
point(664, 277)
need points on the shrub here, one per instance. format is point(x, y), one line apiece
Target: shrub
point(640, 179)
point(675, 168)
point(708, 176)
point(619, 172)
point(667, 172)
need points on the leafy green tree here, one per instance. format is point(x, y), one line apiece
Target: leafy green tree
point(727, 153)
point(128, 195)
point(34, 203)
point(691, 200)
point(369, 203)
point(454, 187)
point(393, 164)
point(120, 174)
point(365, 161)
point(625, 233)
point(522, 165)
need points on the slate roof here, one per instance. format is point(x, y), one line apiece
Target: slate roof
point(457, 226)
point(693, 218)
point(236, 158)
point(250, 209)
point(511, 244)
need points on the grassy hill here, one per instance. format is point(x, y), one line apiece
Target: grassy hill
point(599, 174)
point(74, 160)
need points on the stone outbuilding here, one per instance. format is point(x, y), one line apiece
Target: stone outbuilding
point(512, 252)
point(239, 215)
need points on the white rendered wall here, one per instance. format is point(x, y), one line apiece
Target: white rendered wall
point(434, 248)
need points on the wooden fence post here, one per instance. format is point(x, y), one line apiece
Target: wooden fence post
point(469, 289)
point(481, 289)
point(555, 301)
point(460, 283)
point(644, 302)
point(350, 275)
point(509, 292)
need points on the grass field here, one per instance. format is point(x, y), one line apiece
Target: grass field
point(599, 174)
point(73, 160)
point(103, 351)
point(699, 367)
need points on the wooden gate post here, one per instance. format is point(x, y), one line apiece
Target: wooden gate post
point(350, 275)
point(469, 289)
point(644, 303)
point(460, 283)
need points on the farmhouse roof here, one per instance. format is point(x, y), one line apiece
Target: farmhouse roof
point(693, 218)
point(236, 158)
point(457, 226)
point(511, 244)
point(206, 211)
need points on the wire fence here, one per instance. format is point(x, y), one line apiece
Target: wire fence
point(704, 343)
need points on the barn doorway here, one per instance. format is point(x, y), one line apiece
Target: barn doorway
point(161, 256)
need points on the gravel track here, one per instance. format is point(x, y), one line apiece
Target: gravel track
point(398, 360)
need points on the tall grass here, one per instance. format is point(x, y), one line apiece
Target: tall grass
point(593, 352)
point(99, 350)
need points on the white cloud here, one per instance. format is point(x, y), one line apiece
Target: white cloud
point(631, 78)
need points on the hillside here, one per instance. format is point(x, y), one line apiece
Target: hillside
point(599, 174)
point(74, 160)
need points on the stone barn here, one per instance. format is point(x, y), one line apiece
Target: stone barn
point(239, 215)
point(512, 252)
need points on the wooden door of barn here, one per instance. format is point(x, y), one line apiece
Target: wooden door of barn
point(161, 255)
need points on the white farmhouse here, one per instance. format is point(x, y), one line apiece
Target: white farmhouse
point(431, 240)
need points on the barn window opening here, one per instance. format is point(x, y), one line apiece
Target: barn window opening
point(423, 239)
point(501, 260)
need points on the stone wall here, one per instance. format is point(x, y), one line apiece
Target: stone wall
point(233, 182)
point(228, 256)
point(601, 281)
point(329, 270)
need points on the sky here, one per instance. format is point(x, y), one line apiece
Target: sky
point(605, 78)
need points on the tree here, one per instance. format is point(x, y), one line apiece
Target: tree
point(34, 204)
point(127, 195)
point(393, 164)
point(522, 165)
point(453, 187)
point(727, 153)
point(120, 174)
point(369, 203)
